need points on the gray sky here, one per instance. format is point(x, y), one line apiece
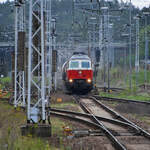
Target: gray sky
point(138, 3)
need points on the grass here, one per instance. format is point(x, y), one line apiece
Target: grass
point(144, 119)
point(118, 78)
point(28, 143)
point(7, 95)
point(10, 135)
point(5, 82)
point(5, 79)
point(63, 104)
point(57, 126)
point(140, 78)
point(127, 95)
point(10, 120)
point(136, 93)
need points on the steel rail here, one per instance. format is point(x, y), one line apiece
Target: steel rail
point(113, 139)
point(120, 100)
point(89, 123)
point(113, 121)
point(142, 131)
point(111, 88)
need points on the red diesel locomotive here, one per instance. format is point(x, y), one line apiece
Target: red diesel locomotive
point(77, 73)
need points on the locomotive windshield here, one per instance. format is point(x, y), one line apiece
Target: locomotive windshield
point(85, 64)
point(79, 64)
point(74, 64)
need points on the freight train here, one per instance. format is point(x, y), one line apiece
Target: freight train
point(77, 73)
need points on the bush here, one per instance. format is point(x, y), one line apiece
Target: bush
point(5, 82)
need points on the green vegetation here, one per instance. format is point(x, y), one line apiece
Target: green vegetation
point(137, 93)
point(5, 82)
point(144, 119)
point(10, 135)
point(142, 41)
point(31, 144)
point(127, 95)
point(65, 13)
point(140, 78)
point(120, 78)
point(7, 15)
point(72, 21)
point(10, 121)
point(62, 105)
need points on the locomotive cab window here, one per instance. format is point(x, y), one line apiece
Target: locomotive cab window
point(85, 64)
point(74, 64)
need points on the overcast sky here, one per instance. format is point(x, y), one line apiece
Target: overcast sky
point(138, 3)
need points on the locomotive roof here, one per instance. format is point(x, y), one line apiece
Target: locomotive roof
point(80, 57)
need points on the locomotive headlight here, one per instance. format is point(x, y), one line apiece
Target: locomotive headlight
point(80, 72)
point(89, 80)
point(70, 80)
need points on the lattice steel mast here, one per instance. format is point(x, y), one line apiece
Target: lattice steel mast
point(48, 19)
point(19, 91)
point(37, 14)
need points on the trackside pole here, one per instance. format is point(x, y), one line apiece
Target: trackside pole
point(19, 81)
point(36, 102)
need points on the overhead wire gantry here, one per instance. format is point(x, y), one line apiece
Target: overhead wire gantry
point(39, 64)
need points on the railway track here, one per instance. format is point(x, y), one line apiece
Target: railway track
point(120, 100)
point(80, 117)
point(112, 88)
point(108, 122)
point(91, 105)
